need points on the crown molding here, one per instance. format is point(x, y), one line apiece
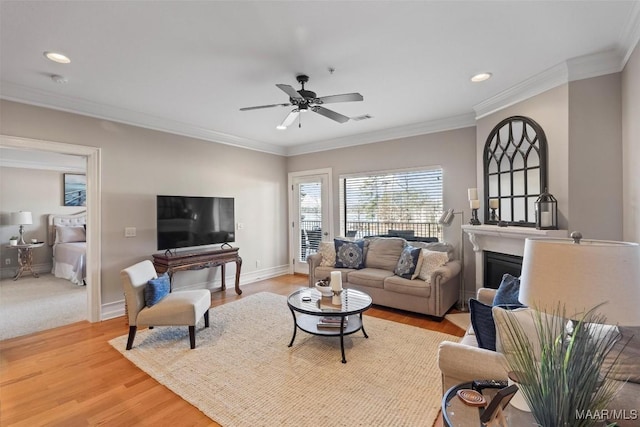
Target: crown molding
point(422, 128)
point(27, 95)
point(582, 67)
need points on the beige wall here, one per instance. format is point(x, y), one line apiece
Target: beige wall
point(454, 151)
point(37, 191)
point(551, 111)
point(631, 147)
point(138, 164)
point(595, 157)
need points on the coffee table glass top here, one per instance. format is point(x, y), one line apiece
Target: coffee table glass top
point(353, 302)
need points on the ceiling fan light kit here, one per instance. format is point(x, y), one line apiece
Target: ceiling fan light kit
point(306, 100)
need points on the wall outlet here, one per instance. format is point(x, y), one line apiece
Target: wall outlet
point(258, 263)
point(7, 261)
point(240, 226)
point(130, 232)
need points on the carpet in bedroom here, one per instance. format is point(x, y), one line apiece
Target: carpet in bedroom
point(31, 304)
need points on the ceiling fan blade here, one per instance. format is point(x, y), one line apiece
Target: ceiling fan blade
point(290, 91)
point(330, 114)
point(345, 97)
point(264, 106)
point(293, 115)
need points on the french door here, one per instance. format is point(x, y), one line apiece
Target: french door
point(309, 215)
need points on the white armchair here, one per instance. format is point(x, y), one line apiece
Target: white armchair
point(180, 308)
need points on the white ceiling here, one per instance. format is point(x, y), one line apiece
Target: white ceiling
point(187, 67)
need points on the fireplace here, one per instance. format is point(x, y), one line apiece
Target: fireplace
point(505, 241)
point(497, 264)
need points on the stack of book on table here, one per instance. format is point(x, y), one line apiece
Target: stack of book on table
point(331, 321)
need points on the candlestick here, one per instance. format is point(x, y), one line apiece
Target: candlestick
point(473, 193)
point(474, 204)
point(336, 281)
point(494, 203)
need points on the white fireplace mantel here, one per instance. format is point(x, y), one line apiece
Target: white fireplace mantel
point(505, 240)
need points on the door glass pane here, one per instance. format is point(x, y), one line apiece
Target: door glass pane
point(309, 196)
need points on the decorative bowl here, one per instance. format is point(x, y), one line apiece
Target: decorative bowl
point(324, 290)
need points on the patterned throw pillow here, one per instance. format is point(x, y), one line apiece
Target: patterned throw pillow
point(328, 252)
point(349, 253)
point(156, 289)
point(430, 261)
point(409, 263)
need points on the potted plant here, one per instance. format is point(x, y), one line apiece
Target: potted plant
point(13, 240)
point(559, 368)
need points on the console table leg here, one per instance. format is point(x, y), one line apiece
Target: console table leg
point(224, 274)
point(238, 268)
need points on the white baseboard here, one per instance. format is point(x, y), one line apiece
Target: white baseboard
point(116, 309)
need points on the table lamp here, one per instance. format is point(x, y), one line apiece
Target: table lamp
point(21, 218)
point(581, 274)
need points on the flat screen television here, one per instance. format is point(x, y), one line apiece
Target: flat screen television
point(194, 221)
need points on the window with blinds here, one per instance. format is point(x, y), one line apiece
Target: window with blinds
point(404, 203)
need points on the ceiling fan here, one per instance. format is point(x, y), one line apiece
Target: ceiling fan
point(306, 100)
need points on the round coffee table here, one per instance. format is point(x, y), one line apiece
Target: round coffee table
point(312, 307)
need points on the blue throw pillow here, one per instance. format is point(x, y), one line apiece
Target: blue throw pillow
point(483, 325)
point(156, 289)
point(508, 291)
point(408, 262)
point(349, 253)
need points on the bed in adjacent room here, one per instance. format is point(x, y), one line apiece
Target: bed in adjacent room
point(67, 235)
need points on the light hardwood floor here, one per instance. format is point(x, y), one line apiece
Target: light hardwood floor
point(71, 376)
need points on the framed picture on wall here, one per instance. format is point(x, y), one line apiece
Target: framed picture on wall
point(75, 189)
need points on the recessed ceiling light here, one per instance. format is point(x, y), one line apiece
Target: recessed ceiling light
point(57, 57)
point(481, 77)
point(280, 127)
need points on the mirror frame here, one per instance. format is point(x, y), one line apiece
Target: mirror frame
point(531, 139)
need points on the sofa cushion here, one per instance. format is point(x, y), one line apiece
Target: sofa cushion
point(349, 253)
point(325, 272)
point(384, 252)
point(508, 291)
point(431, 260)
point(417, 287)
point(327, 251)
point(372, 277)
point(409, 263)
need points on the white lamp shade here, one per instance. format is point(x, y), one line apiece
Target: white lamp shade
point(21, 218)
point(558, 273)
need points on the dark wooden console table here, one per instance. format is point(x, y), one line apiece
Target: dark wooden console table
point(196, 260)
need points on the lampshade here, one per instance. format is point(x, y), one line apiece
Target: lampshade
point(559, 273)
point(21, 218)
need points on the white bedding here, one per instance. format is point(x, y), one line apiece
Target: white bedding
point(69, 261)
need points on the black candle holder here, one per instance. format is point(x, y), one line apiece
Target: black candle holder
point(493, 216)
point(474, 217)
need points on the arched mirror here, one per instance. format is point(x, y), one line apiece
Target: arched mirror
point(515, 171)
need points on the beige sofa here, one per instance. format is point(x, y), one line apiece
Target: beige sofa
point(463, 361)
point(433, 297)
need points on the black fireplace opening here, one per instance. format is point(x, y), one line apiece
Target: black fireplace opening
point(497, 264)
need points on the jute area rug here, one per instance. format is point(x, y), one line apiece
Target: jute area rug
point(243, 374)
point(461, 320)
